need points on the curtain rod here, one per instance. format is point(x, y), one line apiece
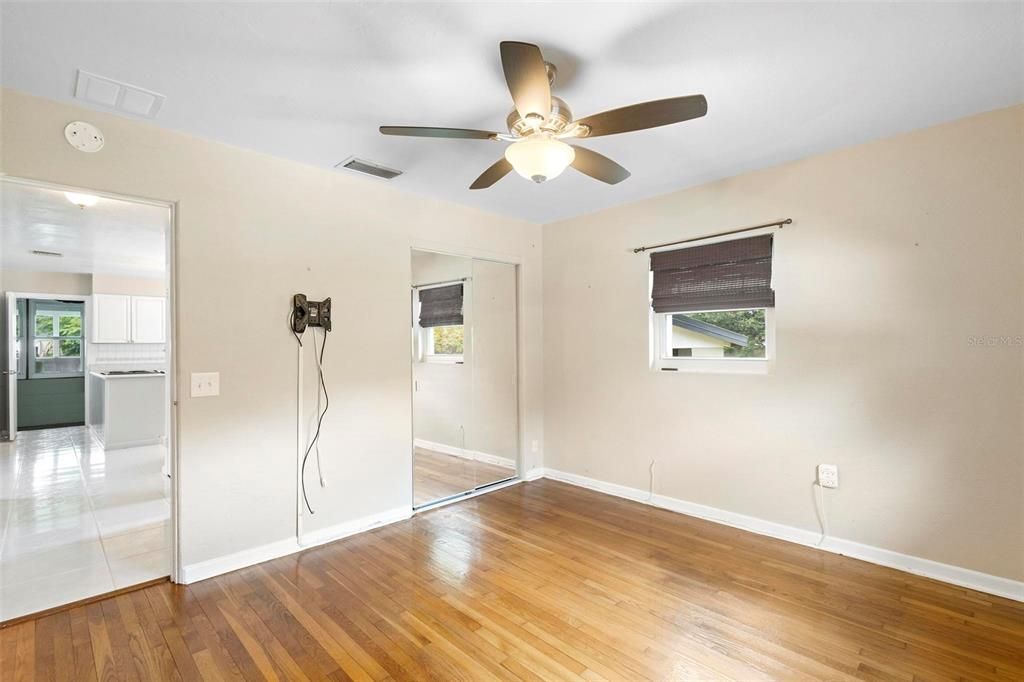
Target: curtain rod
point(777, 223)
point(437, 284)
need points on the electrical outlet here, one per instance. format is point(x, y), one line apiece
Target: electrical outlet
point(828, 475)
point(205, 384)
point(533, 446)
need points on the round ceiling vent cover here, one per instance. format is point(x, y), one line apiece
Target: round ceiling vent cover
point(85, 137)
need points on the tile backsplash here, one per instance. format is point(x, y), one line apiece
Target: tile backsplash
point(127, 353)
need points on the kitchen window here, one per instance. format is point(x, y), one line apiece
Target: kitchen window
point(56, 348)
point(712, 307)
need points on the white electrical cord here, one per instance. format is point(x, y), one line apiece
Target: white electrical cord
point(650, 476)
point(321, 390)
point(319, 393)
point(822, 517)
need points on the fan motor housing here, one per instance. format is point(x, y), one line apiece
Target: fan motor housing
point(558, 120)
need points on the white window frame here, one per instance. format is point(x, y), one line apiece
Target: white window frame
point(659, 335)
point(427, 346)
point(31, 338)
point(21, 348)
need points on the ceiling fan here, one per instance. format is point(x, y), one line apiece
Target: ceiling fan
point(540, 121)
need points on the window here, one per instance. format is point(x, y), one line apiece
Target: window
point(712, 307)
point(447, 340)
point(441, 323)
point(57, 342)
point(443, 344)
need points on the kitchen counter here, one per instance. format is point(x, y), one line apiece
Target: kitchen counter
point(128, 410)
point(133, 375)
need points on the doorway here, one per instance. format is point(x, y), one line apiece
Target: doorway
point(464, 373)
point(86, 472)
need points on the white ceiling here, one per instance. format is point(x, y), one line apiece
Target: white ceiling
point(113, 237)
point(312, 81)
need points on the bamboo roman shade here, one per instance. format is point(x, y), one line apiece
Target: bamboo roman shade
point(441, 306)
point(722, 276)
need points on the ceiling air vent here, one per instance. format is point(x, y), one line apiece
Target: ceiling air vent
point(37, 252)
point(369, 168)
point(117, 95)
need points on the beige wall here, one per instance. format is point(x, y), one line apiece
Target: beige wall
point(901, 251)
point(81, 284)
point(26, 282)
point(132, 286)
point(251, 231)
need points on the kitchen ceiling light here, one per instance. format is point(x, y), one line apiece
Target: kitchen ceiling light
point(81, 200)
point(539, 157)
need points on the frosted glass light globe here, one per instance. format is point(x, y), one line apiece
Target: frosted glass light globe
point(539, 157)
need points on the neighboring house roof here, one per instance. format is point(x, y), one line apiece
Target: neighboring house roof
point(686, 322)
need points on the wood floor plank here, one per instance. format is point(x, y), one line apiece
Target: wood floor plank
point(81, 643)
point(106, 666)
point(539, 581)
point(170, 622)
point(25, 654)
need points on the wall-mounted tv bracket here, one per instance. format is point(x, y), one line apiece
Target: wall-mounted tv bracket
point(306, 313)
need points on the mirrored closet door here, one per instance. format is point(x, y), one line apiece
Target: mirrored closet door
point(465, 412)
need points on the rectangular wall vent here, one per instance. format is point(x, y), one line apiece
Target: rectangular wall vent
point(369, 168)
point(112, 94)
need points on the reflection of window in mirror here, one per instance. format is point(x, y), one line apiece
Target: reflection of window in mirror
point(443, 344)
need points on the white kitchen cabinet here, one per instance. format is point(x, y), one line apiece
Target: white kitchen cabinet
point(148, 319)
point(111, 316)
point(118, 318)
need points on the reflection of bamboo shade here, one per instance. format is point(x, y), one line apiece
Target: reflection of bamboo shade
point(441, 306)
point(722, 276)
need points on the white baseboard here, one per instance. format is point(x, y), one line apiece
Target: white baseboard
point(533, 474)
point(343, 530)
point(955, 575)
point(274, 550)
point(193, 573)
point(464, 453)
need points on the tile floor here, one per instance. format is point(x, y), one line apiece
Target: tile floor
point(76, 521)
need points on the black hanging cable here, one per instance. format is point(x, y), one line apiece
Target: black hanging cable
point(320, 419)
point(291, 326)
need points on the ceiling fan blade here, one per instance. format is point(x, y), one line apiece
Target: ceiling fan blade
point(598, 166)
point(527, 78)
point(660, 112)
point(457, 133)
point(500, 169)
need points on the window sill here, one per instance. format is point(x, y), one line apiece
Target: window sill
point(444, 360)
point(708, 366)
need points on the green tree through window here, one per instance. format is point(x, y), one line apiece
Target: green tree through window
point(71, 325)
point(448, 340)
point(750, 323)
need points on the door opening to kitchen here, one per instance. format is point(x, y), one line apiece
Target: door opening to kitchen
point(85, 424)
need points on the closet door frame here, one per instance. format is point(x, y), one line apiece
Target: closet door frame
point(516, 263)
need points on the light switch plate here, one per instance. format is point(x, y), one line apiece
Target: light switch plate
point(205, 384)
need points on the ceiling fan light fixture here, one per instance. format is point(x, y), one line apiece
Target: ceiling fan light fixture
point(539, 157)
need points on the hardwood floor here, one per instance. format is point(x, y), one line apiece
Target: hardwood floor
point(537, 581)
point(437, 476)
